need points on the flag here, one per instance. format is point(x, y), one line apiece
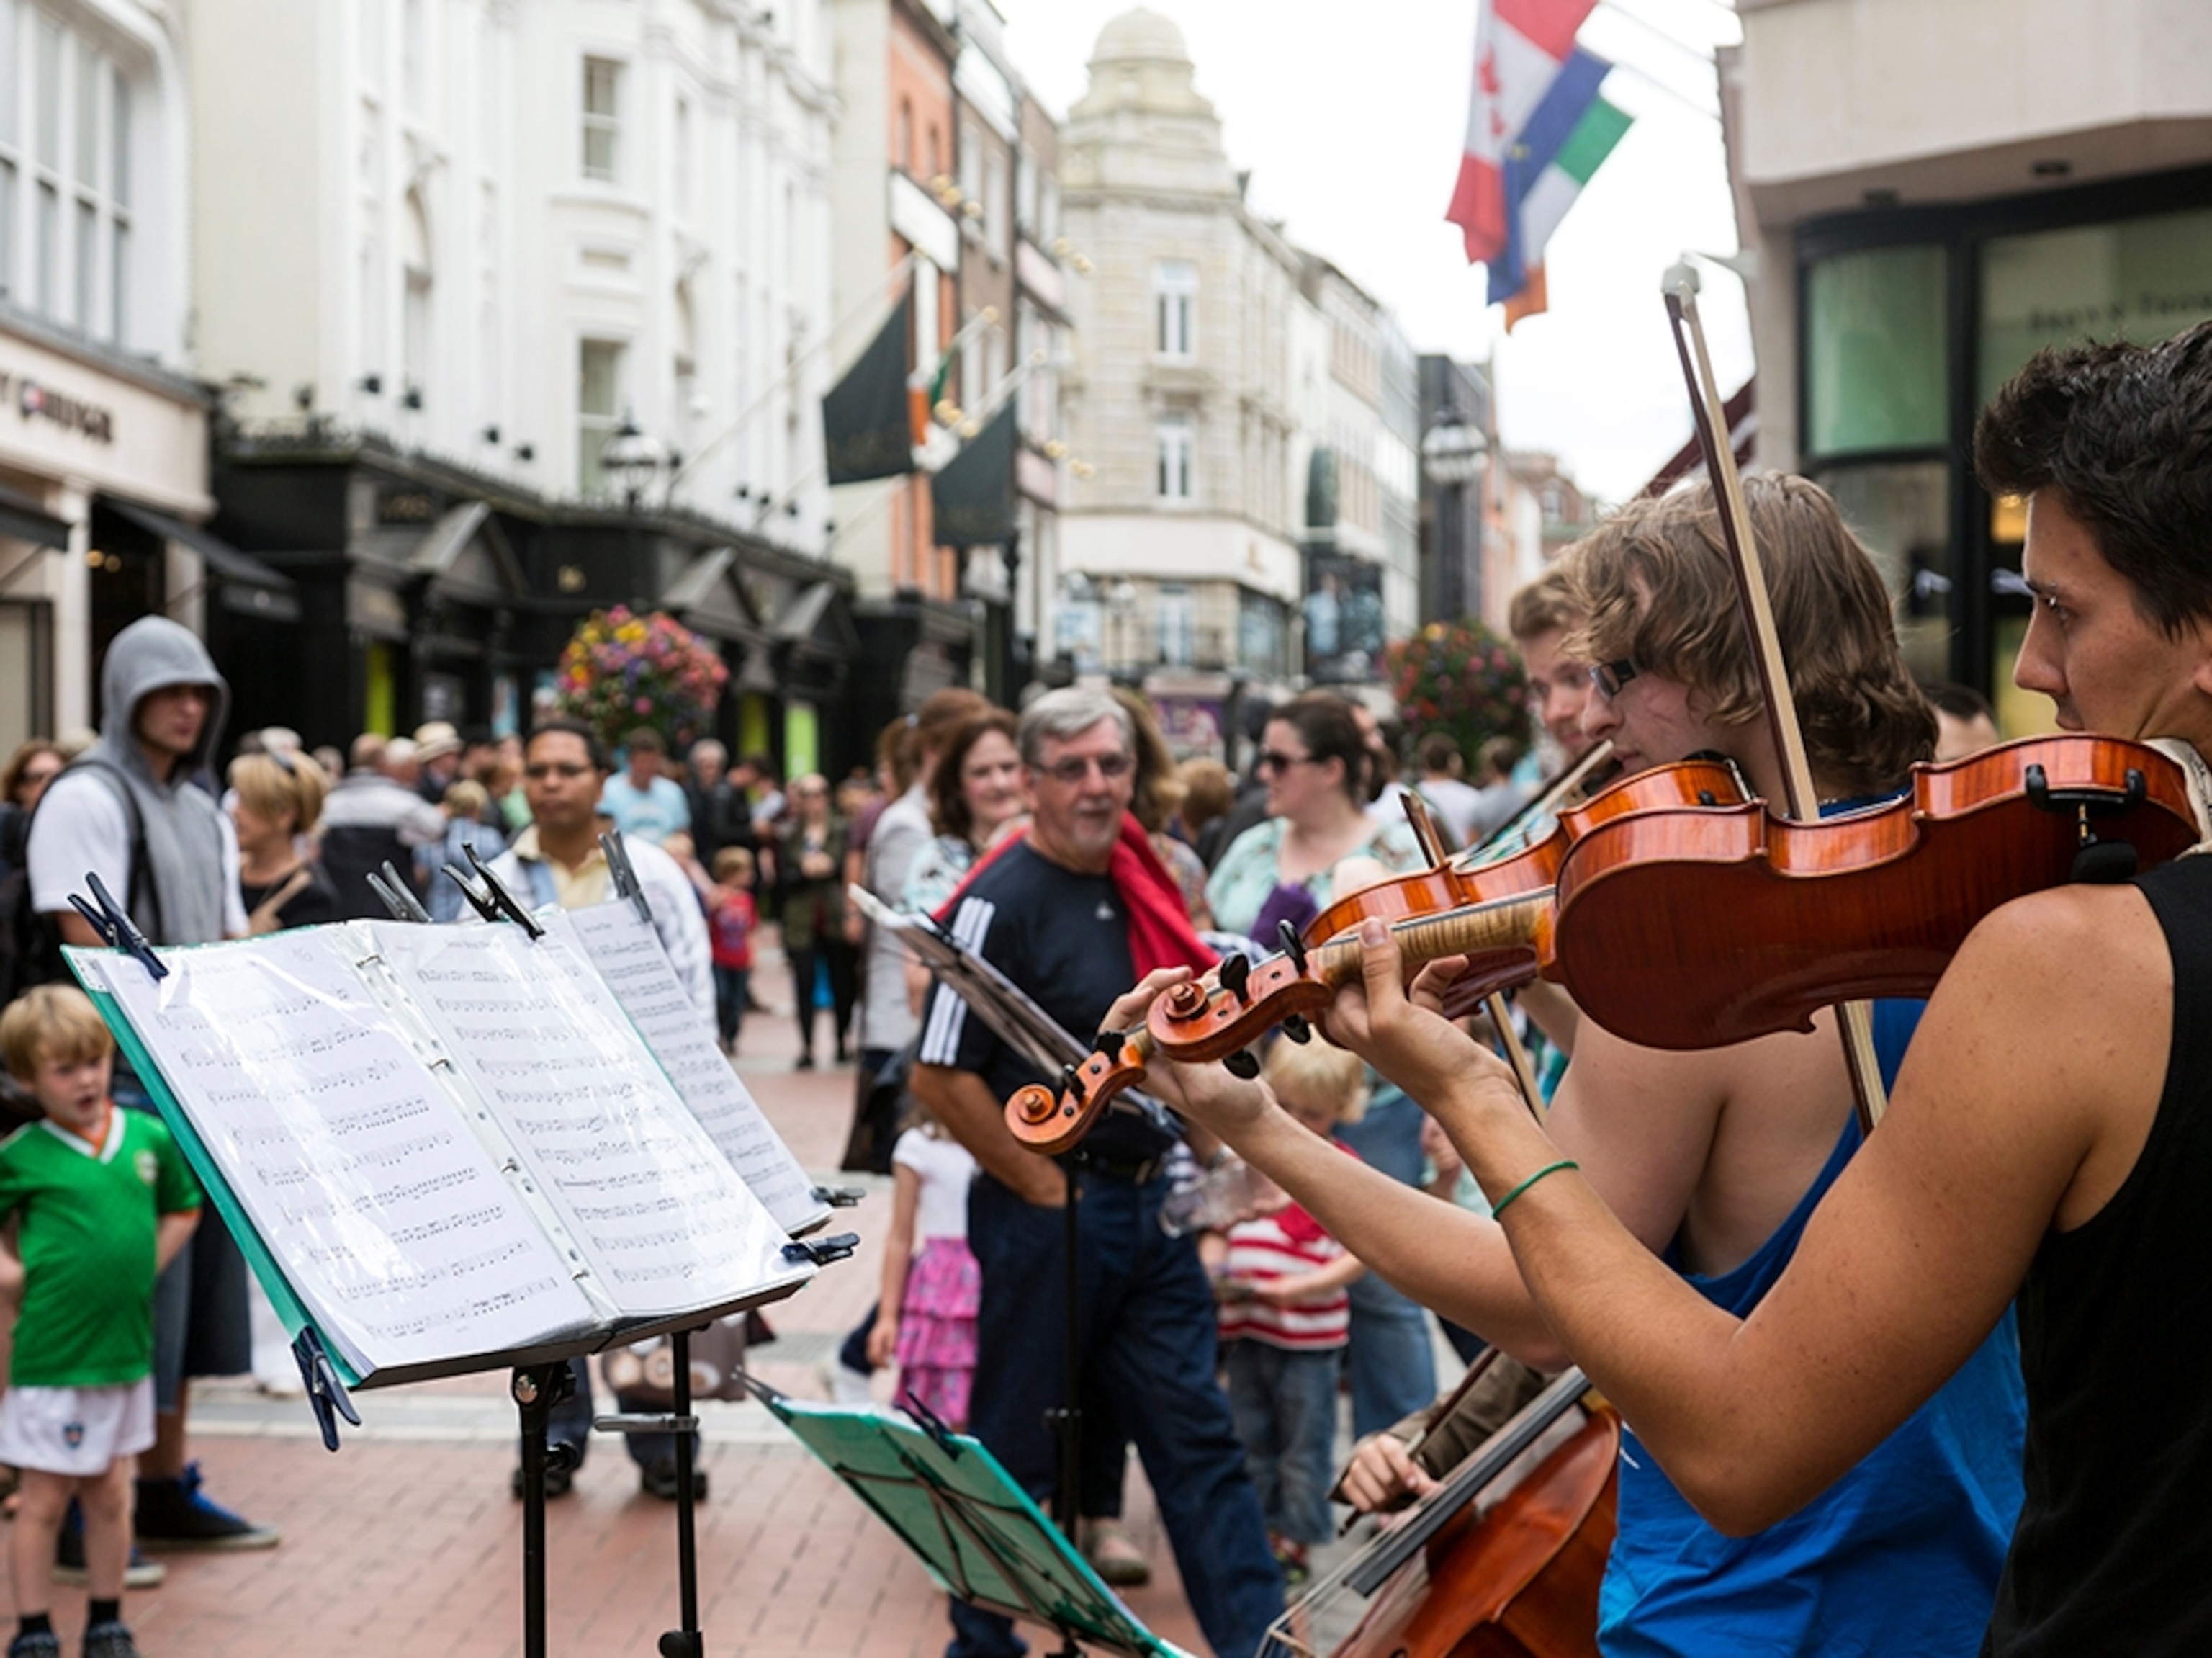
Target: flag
point(1519, 47)
point(866, 427)
point(1572, 132)
point(972, 497)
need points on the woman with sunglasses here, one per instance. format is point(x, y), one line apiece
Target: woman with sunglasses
point(1288, 868)
point(29, 769)
point(277, 799)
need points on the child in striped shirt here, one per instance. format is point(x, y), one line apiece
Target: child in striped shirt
point(1285, 1317)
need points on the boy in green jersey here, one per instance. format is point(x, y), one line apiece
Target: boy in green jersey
point(101, 1200)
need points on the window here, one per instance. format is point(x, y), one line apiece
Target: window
point(65, 141)
point(995, 219)
point(1175, 301)
point(602, 119)
point(1177, 625)
point(904, 158)
point(415, 345)
point(598, 406)
point(1172, 475)
point(683, 168)
point(1877, 351)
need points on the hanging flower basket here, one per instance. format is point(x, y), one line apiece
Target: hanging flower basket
point(622, 671)
point(1459, 678)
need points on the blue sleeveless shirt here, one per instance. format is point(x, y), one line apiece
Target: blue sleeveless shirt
point(1900, 1558)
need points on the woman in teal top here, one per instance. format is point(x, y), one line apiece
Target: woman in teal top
point(1312, 756)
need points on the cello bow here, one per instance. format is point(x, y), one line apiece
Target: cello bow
point(1856, 1019)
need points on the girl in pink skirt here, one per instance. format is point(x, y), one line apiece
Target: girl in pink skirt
point(926, 1320)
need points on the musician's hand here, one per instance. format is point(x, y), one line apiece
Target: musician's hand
point(1407, 1040)
point(1127, 1012)
point(1382, 1475)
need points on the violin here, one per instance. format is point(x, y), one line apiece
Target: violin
point(1495, 915)
point(1869, 905)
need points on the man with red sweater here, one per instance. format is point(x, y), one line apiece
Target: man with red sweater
point(1073, 913)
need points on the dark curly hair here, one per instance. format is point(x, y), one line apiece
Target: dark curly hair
point(1655, 584)
point(2123, 433)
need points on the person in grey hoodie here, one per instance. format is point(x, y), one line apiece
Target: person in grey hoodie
point(129, 810)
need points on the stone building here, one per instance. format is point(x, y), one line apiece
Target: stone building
point(1180, 552)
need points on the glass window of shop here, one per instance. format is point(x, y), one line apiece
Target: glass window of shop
point(2142, 279)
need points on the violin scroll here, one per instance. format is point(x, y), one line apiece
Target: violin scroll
point(1051, 1123)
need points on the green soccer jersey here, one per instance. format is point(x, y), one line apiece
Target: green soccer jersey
point(86, 1222)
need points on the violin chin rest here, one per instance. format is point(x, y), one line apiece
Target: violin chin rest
point(2104, 863)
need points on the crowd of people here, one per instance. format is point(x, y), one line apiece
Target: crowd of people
point(1873, 1387)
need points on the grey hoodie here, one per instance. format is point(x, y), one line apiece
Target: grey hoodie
point(181, 822)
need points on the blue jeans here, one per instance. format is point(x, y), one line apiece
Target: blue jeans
point(1285, 1404)
point(1392, 1365)
point(569, 1423)
point(1146, 1343)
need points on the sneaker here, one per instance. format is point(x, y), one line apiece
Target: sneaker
point(1114, 1554)
point(44, 1644)
point(658, 1478)
point(68, 1559)
point(844, 1385)
point(109, 1640)
point(172, 1515)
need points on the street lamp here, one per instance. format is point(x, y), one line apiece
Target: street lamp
point(632, 461)
point(1453, 456)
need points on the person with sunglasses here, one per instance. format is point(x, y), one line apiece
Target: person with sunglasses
point(1070, 912)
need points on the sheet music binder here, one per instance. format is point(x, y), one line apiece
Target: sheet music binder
point(443, 1149)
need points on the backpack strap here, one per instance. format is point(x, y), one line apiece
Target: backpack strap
point(143, 892)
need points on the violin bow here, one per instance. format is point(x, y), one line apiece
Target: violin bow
point(1681, 288)
point(1501, 1016)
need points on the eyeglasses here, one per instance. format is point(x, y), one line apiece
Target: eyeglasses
point(1072, 770)
point(1609, 677)
point(545, 769)
point(1271, 761)
point(31, 779)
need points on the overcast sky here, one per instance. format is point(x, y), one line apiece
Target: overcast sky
point(1350, 118)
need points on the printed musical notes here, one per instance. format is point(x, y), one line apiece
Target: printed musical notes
point(397, 1228)
point(628, 957)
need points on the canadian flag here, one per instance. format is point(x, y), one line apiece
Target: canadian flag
point(1519, 46)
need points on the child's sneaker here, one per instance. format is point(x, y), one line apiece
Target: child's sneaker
point(108, 1640)
point(44, 1644)
point(172, 1515)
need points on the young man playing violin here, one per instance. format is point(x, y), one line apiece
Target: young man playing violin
point(2050, 1139)
point(1712, 1160)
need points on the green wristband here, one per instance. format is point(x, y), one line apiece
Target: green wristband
point(1498, 1208)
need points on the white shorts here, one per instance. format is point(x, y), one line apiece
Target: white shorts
point(78, 1431)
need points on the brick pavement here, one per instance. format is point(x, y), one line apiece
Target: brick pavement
point(407, 1542)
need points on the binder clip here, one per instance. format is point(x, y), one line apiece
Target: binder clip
point(398, 897)
point(823, 1250)
point(622, 874)
point(326, 1394)
point(112, 922)
point(838, 1196)
point(489, 897)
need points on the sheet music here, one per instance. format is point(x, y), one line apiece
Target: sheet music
point(394, 1225)
point(629, 955)
point(663, 1219)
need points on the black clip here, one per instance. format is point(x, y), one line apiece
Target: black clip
point(489, 896)
point(930, 1422)
point(112, 922)
point(838, 1196)
point(398, 897)
point(822, 1251)
point(326, 1394)
point(622, 874)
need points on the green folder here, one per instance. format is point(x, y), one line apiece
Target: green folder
point(982, 1538)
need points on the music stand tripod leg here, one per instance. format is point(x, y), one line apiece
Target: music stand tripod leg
point(537, 1389)
point(1068, 1421)
point(686, 1641)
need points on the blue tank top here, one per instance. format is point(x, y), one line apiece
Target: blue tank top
point(1900, 1558)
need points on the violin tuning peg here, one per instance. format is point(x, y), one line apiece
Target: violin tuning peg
point(1235, 971)
point(1294, 1028)
point(1293, 946)
point(1243, 1063)
point(1107, 1043)
point(1071, 1082)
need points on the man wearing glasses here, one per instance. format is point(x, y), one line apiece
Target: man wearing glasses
point(1071, 913)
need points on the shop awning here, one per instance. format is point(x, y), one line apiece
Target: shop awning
point(24, 518)
point(270, 592)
